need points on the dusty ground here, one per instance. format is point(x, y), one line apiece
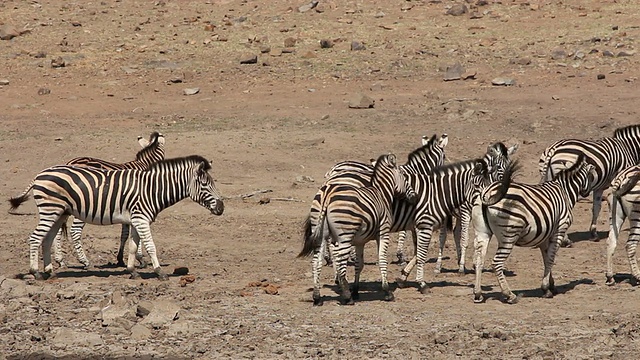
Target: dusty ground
point(287, 116)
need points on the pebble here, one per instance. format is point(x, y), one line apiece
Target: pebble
point(181, 270)
point(4, 82)
point(326, 44)
point(8, 32)
point(140, 332)
point(309, 55)
point(607, 53)
point(558, 54)
point(289, 42)
point(265, 49)
point(307, 7)
point(500, 81)
point(249, 59)
point(58, 62)
point(457, 10)
point(361, 101)
point(600, 76)
point(453, 72)
point(191, 91)
point(356, 45)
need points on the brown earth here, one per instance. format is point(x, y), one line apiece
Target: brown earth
point(287, 116)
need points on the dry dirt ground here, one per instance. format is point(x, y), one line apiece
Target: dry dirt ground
point(267, 124)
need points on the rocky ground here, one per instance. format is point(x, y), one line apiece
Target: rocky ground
point(275, 92)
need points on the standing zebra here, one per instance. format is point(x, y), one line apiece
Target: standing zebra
point(608, 155)
point(133, 197)
point(625, 202)
point(153, 151)
point(354, 216)
point(528, 216)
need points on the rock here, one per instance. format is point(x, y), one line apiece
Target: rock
point(264, 200)
point(58, 62)
point(129, 69)
point(521, 61)
point(44, 91)
point(8, 32)
point(76, 23)
point(249, 59)
point(326, 44)
point(309, 55)
point(304, 178)
point(579, 55)
point(4, 82)
point(625, 53)
point(600, 76)
point(607, 53)
point(501, 81)
point(379, 14)
point(457, 9)
point(64, 338)
point(453, 72)
point(469, 74)
point(377, 87)
point(140, 332)
point(558, 54)
point(361, 101)
point(187, 279)
point(191, 91)
point(163, 312)
point(209, 27)
point(356, 45)
point(265, 49)
point(144, 308)
point(271, 289)
point(181, 270)
point(287, 51)
point(112, 312)
point(289, 42)
point(307, 7)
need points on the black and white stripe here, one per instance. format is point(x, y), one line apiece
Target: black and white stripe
point(152, 152)
point(608, 155)
point(99, 197)
point(625, 202)
point(527, 216)
point(352, 217)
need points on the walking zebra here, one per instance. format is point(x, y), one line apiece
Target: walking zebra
point(153, 151)
point(625, 202)
point(133, 197)
point(429, 155)
point(354, 216)
point(527, 216)
point(442, 193)
point(608, 155)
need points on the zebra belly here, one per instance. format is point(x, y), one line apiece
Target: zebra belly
point(105, 219)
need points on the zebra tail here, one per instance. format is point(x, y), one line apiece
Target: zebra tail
point(18, 200)
point(547, 166)
point(624, 187)
point(312, 237)
point(497, 191)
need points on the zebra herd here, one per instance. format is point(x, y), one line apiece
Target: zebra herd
point(102, 193)
point(360, 202)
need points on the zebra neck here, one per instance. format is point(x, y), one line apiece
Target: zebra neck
point(165, 187)
point(633, 145)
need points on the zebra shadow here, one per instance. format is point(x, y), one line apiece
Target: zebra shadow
point(372, 290)
point(625, 277)
point(70, 273)
point(532, 293)
point(586, 236)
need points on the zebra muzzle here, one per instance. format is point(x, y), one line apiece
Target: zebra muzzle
point(218, 207)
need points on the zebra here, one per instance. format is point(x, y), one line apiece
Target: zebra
point(527, 216)
point(357, 174)
point(133, 197)
point(444, 192)
point(625, 202)
point(608, 155)
point(153, 151)
point(354, 216)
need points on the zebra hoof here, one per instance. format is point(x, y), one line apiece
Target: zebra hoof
point(610, 281)
point(513, 299)
point(401, 283)
point(134, 275)
point(62, 264)
point(88, 266)
point(594, 235)
point(163, 277)
point(348, 301)
point(121, 263)
point(634, 281)
point(424, 289)
point(437, 271)
point(462, 272)
point(478, 298)
point(318, 302)
point(389, 296)
point(547, 294)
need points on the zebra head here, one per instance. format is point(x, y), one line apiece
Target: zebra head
point(203, 190)
point(498, 158)
point(387, 175)
point(429, 156)
point(153, 151)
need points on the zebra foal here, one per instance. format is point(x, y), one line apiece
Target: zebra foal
point(354, 216)
point(608, 155)
point(152, 151)
point(133, 197)
point(528, 216)
point(625, 202)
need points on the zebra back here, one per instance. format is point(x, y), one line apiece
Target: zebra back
point(150, 154)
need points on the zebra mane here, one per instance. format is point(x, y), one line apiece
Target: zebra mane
point(378, 164)
point(496, 191)
point(416, 154)
point(461, 165)
point(153, 145)
point(569, 172)
point(197, 159)
point(625, 132)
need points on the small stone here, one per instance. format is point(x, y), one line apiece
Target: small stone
point(304, 178)
point(453, 72)
point(500, 81)
point(265, 49)
point(287, 51)
point(521, 61)
point(614, 27)
point(579, 55)
point(209, 27)
point(379, 14)
point(181, 270)
point(356, 45)
point(376, 87)
point(558, 54)
point(191, 91)
point(457, 10)
point(40, 55)
point(58, 62)
point(307, 7)
point(469, 74)
point(271, 289)
point(324, 117)
point(264, 200)
point(4, 82)
point(8, 32)
point(600, 76)
point(249, 59)
point(44, 91)
point(140, 332)
point(326, 44)
point(187, 279)
point(361, 101)
point(309, 55)
point(289, 42)
point(176, 80)
point(76, 23)
point(625, 53)
point(144, 308)
point(607, 53)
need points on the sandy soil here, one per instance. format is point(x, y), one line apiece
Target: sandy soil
point(265, 125)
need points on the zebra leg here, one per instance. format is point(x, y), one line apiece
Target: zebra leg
point(316, 268)
point(133, 249)
point(480, 243)
point(462, 239)
point(144, 232)
point(355, 288)
point(549, 251)
point(632, 244)
point(424, 238)
point(326, 251)
point(612, 240)
point(402, 280)
point(402, 235)
point(76, 237)
point(341, 256)
point(46, 246)
point(597, 204)
point(505, 246)
point(383, 248)
point(47, 228)
point(443, 239)
point(57, 250)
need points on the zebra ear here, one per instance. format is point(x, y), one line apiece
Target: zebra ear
point(373, 162)
point(480, 168)
point(444, 140)
point(143, 142)
point(392, 159)
point(512, 150)
point(160, 139)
